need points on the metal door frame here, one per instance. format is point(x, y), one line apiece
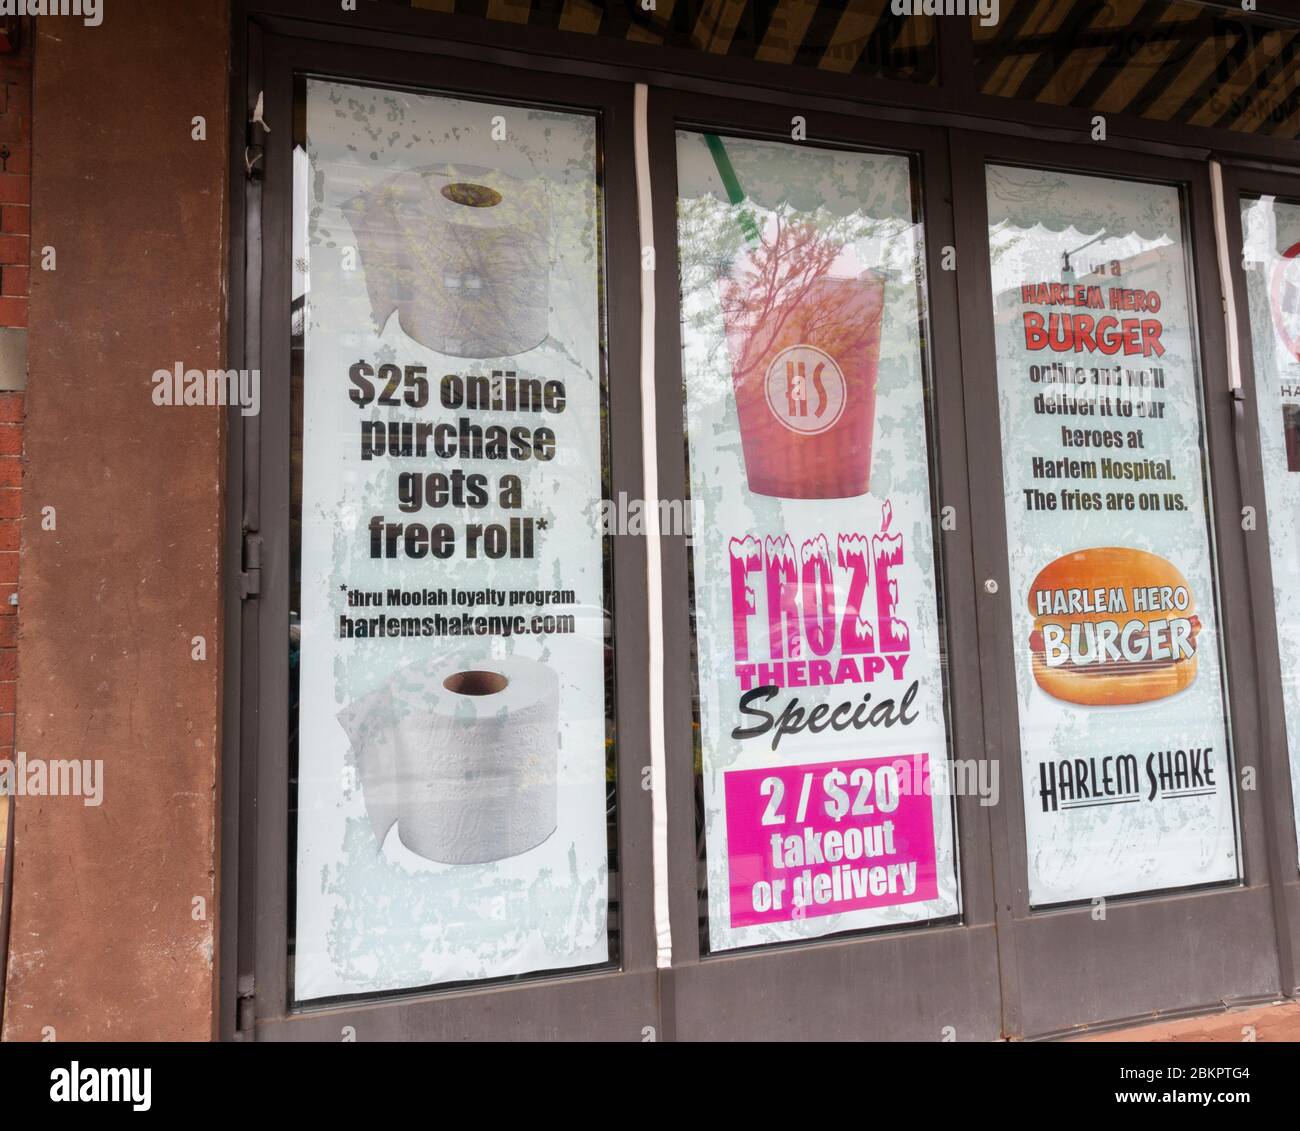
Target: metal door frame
point(829, 989)
point(600, 1004)
point(1237, 959)
point(1276, 782)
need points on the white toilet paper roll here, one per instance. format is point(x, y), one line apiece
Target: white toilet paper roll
point(463, 756)
point(462, 253)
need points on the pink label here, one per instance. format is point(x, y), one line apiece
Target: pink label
point(805, 841)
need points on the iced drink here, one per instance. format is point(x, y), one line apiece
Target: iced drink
point(804, 354)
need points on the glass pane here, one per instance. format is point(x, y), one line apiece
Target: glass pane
point(1271, 238)
point(451, 640)
point(823, 738)
point(1123, 715)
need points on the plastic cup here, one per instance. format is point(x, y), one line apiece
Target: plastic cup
point(804, 366)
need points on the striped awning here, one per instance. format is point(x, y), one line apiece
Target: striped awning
point(1179, 61)
point(1165, 60)
point(839, 36)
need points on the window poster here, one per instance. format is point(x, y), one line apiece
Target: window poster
point(1127, 771)
point(822, 726)
point(451, 654)
point(1271, 238)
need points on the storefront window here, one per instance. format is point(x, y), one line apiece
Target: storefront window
point(1271, 239)
point(823, 739)
point(451, 650)
point(1123, 717)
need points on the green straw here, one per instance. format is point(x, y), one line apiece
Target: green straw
point(734, 192)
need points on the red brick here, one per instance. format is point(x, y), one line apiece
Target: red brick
point(8, 567)
point(20, 159)
point(11, 506)
point(11, 407)
point(15, 249)
point(15, 127)
point(13, 313)
point(6, 595)
point(18, 95)
point(15, 280)
point(16, 219)
point(7, 730)
point(8, 697)
point(8, 636)
point(10, 534)
point(11, 440)
point(8, 664)
point(11, 473)
point(15, 188)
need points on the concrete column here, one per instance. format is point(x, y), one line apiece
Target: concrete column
point(107, 940)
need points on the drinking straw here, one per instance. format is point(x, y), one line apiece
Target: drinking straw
point(753, 239)
point(735, 193)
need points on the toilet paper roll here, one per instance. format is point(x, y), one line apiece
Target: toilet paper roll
point(462, 756)
point(462, 253)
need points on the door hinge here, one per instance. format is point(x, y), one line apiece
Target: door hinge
point(245, 1005)
point(255, 141)
point(250, 577)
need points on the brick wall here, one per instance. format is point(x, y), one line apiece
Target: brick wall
point(15, 260)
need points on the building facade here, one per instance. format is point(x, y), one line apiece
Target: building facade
point(663, 520)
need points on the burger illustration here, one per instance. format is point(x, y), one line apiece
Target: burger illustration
point(1112, 626)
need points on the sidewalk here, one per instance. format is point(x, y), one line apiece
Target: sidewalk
point(1276, 1022)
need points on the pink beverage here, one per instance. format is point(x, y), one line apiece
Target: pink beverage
point(804, 355)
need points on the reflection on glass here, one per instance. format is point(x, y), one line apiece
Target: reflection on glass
point(782, 295)
point(1123, 722)
point(452, 745)
point(820, 699)
point(1271, 254)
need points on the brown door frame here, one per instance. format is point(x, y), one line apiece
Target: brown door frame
point(1276, 782)
point(1223, 937)
point(615, 1003)
point(829, 989)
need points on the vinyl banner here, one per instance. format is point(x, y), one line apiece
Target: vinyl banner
point(1271, 239)
point(1123, 727)
point(452, 780)
point(822, 731)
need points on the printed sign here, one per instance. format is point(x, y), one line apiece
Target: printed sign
point(1123, 725)
point(826, 839)
point(824, 744)
point(1102, 644)
point(1284, 298)
point(451, 667)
